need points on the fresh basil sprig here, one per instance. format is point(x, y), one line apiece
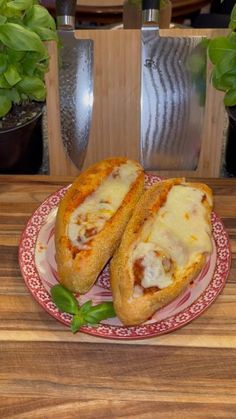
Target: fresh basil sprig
point(82, 315)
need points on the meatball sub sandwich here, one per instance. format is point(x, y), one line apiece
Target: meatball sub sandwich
point(164, 247)
point(92, 217)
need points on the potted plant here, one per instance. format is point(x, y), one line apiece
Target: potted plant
point(222, 54)
point(24, 26)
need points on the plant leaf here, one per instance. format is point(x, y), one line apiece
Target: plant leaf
point(19, 4)
point(86, 314)
point(46, 34)
point(31, 62)
point(21, 39)
point(226, 65)
point(227, 81)
point(230, 97)
point(3, 82)
point(32, 86)
point(219, 47)
point(11, 74)
point(2, 19)
point(89, 314)
point(15, 56)
point(64, 299)
point(77, 322)
point(100, 312)
point(5, 105)
point(85, 308)
point(39, 17)
point(13, 95)
point(3, 62)
point(232, 23)
point(232, 38)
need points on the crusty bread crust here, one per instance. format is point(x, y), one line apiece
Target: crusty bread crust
point(130, 310)
point(78, 273)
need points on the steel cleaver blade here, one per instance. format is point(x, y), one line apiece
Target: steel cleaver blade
point(75, 84)
point(173, 86)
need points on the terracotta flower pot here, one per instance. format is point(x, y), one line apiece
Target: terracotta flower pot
point(21, 145)
point(230, 152)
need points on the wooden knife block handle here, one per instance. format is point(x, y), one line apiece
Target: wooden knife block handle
point(115, 127)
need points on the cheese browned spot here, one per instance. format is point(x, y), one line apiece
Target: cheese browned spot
point(172, 238)
point(90, 217)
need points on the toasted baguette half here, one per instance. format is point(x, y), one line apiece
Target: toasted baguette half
point(164, 247)
point(91, 219)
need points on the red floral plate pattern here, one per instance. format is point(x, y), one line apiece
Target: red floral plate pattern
point(38, 267)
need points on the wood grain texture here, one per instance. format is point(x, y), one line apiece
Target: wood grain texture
point(115, 119)
point(115, 127)
point(47, 372)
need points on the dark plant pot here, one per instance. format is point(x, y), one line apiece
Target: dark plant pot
point(21, 146)
point(230, 151)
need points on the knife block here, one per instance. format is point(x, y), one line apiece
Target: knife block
point(115, 125)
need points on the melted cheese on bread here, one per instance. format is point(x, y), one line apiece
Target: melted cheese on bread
point(171, 240)
point(90, 217)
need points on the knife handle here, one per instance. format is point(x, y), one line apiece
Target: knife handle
point(65, 12)
point(150, 4)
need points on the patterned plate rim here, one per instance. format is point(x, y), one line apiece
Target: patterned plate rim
point(144, 331)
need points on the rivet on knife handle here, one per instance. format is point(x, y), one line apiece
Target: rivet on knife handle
point(65, 12)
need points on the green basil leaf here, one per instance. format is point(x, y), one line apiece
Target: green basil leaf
point(12, 76)
point(15, 96)
point(218, 48)
point(232, 38)
point(15, 56)
point(39, 17)
point(230, 97)
point(227, 64)
point(3, 82)
point(64, 299)
point(3, 62)
point(3, 19)
point(21, 39)
point(19, 4)
point(232, 23)
point(23, 97)
point(5, 105)
point(11, 94)
point(85, 308)
point(100, 312)
point(46, 34)
point(31, 62)
point(91, 320)
point(227, 81)
point(77, 322)
point(32, 86)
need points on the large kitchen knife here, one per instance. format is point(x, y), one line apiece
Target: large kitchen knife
point(173, 83)
point(75, 83)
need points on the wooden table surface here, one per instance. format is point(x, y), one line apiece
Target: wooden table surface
point(47, 372)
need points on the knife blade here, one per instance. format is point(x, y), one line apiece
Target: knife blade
point(75, 83)
point(172, 95)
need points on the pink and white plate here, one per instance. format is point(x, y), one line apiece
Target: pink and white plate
point(39, 270)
